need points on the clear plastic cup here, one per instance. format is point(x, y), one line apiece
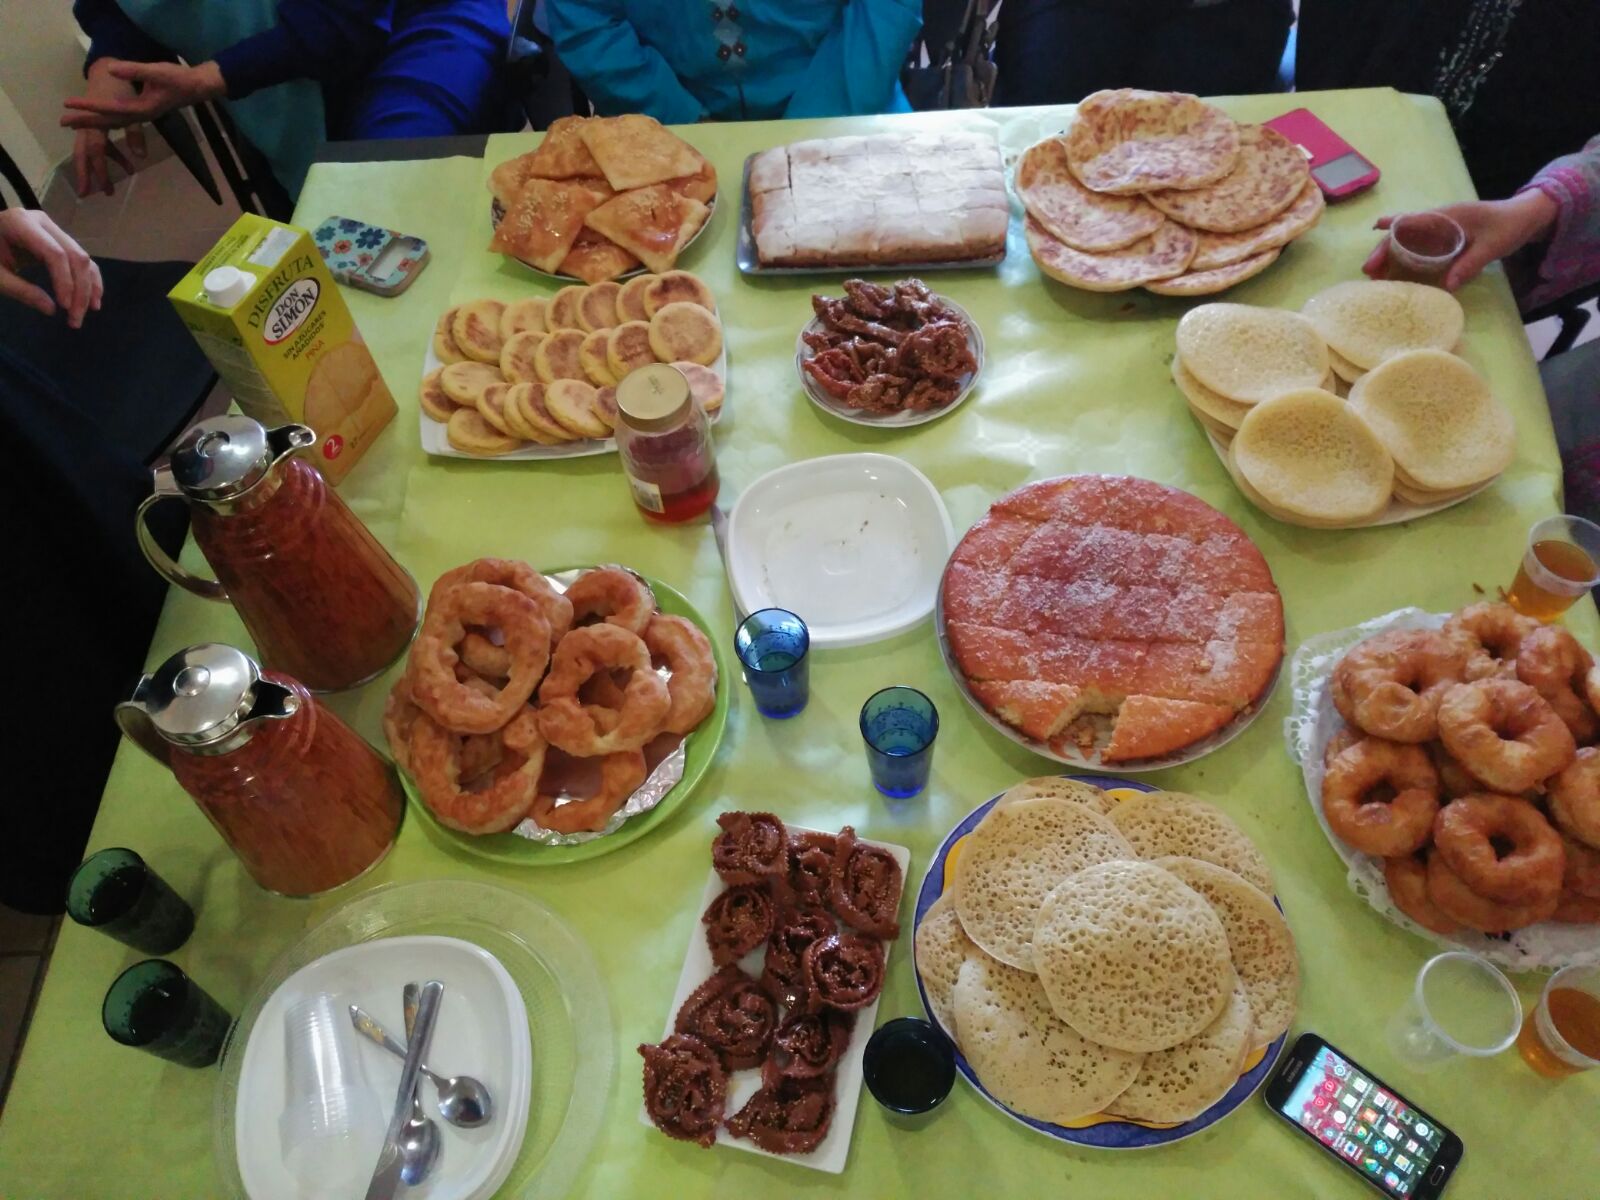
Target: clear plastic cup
point(1460, 1004)
point(331, 1127)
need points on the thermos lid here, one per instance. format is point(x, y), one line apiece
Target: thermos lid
point(224, 456)
point(652, 399)
point(201, 694)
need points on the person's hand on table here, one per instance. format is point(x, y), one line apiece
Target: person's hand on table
point(161, 87)
point(1494, 229)
point(26, 234)
point(93, 147)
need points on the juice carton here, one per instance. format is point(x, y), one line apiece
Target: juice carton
point(267, 314)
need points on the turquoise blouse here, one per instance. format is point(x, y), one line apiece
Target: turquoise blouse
point(684, 61)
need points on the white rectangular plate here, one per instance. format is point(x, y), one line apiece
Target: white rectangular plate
point(830, 1156)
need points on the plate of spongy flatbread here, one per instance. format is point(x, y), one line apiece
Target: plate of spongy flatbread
point(1354, 411)
point(1163, 191)
point(1108, 959)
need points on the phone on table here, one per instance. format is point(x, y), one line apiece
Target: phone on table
point(1362, 1122)
point(1339, 169)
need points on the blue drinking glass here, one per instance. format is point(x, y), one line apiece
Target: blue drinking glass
point(899, 725)
point(772, 644)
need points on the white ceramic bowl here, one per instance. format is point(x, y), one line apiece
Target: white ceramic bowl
point(855, 544)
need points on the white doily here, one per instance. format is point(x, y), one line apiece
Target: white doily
point(1309, 726)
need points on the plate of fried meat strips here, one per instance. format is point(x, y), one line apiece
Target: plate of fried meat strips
point(888, 355)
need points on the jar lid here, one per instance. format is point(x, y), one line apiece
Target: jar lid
point(201, 694)
point(653, 398)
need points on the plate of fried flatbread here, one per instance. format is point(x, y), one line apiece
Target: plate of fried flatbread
point(601, 198)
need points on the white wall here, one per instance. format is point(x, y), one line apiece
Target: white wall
point(41, 61)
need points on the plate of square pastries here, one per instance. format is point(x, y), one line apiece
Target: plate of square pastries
point(921, 200)
point(602, 198)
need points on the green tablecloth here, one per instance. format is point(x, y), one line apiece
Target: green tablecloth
point(1075, 382)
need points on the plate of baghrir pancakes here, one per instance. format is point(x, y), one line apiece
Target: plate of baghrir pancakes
point(1162, 191)
point(1112, 622)
point(1109, 960)
point(602, 198)
point(536, 378)
point(1357, 410)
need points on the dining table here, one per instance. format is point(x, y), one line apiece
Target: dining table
point(1073, 382)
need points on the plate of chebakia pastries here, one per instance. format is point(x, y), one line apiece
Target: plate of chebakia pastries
point(537, 377)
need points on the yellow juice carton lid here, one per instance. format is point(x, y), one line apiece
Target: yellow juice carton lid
point(267, 313)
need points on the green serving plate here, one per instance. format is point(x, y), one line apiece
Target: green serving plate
point(700, 747)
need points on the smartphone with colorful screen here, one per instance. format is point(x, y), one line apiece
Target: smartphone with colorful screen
point(1362, 1122)
point(1336, 165)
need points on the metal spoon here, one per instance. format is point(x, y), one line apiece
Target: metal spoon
point(419, 1138)
point(463, 1101)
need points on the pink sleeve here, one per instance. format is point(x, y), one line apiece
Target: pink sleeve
point(1572, 257)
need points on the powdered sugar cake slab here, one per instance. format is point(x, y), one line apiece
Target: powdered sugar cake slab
point(1112, 622)
point(918, 201)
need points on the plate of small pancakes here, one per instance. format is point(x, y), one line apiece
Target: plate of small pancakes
point(1354, 411)
point(1162, 191)
point(1108, 959)
point(535, 378)
point(602, 198)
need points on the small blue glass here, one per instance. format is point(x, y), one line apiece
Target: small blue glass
point(772, 643)
point(899, 725)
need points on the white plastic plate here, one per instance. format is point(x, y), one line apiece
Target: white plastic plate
point(482, 1031)
point(855, 544)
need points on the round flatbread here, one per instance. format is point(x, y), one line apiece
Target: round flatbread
point(1259, 941)
point(1248, 353)
point(1027, 1057)
point(1367, 320)
point(630, 300)
point(431, 398)
point(1132, 957)
point(1437, 417)
point(1162, 254)
point(528, 398)
point(1059, 787)
point(1083, 219)
point(524, 316)
point(1214, 409)
point(469, 433)
point(444, 342)
point(476, 329)
point(518, 356)
point(1180, 1083)
point(597, 307)
point(463, 381)
point(1128, 140)
point(684, 330)
point(572, 403)
point(1012, 860)
point(1158, 824)
point(940, 947)
point(1269, 174)
point(674, 287)
point(705, 384)
point(1343, 368)
point(1218, 279)
point(563, 311)
point(1312, 460)
point(557, 357)
point(628, 348)
point(592, 355)
point(1219, 249)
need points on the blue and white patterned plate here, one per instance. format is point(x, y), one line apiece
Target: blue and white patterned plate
point(1106, 1133)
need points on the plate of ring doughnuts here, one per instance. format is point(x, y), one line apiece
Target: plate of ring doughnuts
point(546, 718)
point(535, 377)
point(1452, 761)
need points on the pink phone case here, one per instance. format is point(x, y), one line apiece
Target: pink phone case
point(1322, 146)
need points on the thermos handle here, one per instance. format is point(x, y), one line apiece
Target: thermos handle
point(210, 589)
point(136, 725)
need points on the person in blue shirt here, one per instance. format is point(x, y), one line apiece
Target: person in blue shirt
point(683, 61)
point(291, 72)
